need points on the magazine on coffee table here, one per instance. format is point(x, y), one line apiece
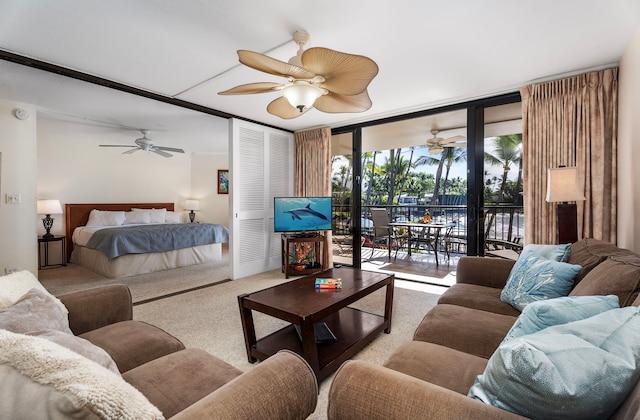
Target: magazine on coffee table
point(321, 332)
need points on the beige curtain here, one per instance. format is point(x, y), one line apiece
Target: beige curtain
point(313, 170)
point(571, 122)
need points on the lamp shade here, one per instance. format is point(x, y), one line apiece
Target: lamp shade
point(192, 205)
point(562, 185)
point(301, 94)
point(49, 207)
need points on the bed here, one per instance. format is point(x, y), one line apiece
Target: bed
point(120, 263)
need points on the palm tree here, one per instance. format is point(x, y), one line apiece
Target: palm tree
point(429, 160)
point(506, 153)
point(452, 155)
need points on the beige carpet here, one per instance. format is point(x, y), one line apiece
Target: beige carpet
point(209, 318)
point(143, 287)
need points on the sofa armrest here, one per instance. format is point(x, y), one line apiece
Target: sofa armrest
point(362, 390)
point(94, 308)
point(484, 271)
point(282, 387)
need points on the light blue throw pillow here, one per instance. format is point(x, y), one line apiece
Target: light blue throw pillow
point(582, 369)
point(536, 278)
point(552, 252)
point(541, 314)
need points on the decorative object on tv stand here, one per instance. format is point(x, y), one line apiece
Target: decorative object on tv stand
point(48, 207)
point(562, 187)
point(192, 205)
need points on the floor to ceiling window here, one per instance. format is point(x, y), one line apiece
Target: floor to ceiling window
point(434, 161)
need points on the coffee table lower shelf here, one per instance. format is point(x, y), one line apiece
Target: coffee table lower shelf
point(353, 328)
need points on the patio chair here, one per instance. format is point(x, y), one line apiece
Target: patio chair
point(382, 229)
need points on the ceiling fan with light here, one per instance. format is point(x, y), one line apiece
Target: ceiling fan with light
point(328, 80)
point(437, 144)
point(146, 144)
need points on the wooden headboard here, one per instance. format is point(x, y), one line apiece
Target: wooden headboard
point(78, 215)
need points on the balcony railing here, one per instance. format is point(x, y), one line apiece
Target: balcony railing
point(502, 223)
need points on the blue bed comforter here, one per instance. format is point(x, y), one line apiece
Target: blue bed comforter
point(141, 239)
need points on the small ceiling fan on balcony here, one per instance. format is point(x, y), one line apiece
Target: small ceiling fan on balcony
point(146, 144)
point(320, 78)
point(437, 144)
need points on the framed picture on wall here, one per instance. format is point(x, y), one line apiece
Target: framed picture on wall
point(223, 181)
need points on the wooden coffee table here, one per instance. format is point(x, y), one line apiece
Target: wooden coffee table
point(300, 303)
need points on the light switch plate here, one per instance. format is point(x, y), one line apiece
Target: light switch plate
point(13, 198)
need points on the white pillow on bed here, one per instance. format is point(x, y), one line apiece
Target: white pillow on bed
point(105, 218)
point(137, 217)
point(157, 215)
point(173, 217)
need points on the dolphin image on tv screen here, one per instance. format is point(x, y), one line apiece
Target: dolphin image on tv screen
point(305, 212)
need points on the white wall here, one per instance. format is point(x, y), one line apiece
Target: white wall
point(629, 146)
point(18, 142)
point(214, 207)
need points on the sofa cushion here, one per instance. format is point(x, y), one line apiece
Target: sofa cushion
point(35, 311)
point(133, 343)
point(618, 275)
point(585, 368)
point(425, 361)
point(13, 286)
point(541, 314)
point(588, 253)
point(469, 330)
point(40, 379)
point(551, 252)
point(175, 381)
point(535, 278)
point(477, 297)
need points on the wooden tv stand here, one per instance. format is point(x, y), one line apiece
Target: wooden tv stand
point(289, 242)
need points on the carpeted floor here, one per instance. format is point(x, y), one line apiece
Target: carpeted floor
point(143, 287)
point(209, 318)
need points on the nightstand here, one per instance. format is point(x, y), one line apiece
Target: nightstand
point(43, 245)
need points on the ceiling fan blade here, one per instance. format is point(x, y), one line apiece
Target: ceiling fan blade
point(128, 152)
point(270, 65)
point(161, 153)
point(116, 145)
point(282, 108)
point(346, 74)
point(333, 103)
point(451, 140)
point(168, 149)
point(249, 88)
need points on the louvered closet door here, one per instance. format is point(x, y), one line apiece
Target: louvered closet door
point(261, 168)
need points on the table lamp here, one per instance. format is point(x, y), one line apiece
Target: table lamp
point(48, 207)
point(192, 205)
point(562, 187)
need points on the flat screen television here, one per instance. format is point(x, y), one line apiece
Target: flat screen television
point(301, 214)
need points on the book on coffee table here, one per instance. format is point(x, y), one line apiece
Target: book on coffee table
point(321, 332)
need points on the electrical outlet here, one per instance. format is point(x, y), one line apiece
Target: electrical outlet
point(11, 270)
point(13, 198)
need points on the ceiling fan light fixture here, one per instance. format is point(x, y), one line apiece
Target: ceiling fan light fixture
point(436, 150)
point(301, 94)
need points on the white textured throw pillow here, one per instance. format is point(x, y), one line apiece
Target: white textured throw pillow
point(157, 215)
point(137, 217)
point(173, 217)
point(105, 218)
point(15, 285)
point(41, 379)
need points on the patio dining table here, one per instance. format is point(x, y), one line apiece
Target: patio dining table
point(425, 229)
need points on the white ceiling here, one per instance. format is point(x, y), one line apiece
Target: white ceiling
point(430, 53)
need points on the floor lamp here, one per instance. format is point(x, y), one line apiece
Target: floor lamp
point(562, 187)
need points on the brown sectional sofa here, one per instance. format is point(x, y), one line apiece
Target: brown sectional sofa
point(182, 383)
point(430, 376)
